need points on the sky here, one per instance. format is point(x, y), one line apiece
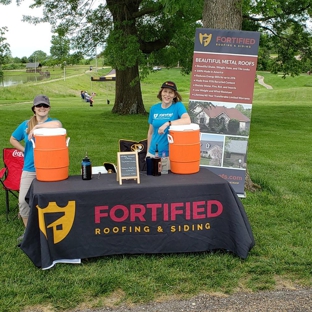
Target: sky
point(24, 38)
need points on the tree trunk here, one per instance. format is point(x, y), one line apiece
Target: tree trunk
point(128, 95)
point(223, 14)
point(128, 92)
point(226, 14)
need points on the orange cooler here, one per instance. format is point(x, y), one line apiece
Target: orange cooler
point(184, 148)
point(51, 154)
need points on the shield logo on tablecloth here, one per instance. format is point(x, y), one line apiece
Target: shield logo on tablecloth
point(62, 225)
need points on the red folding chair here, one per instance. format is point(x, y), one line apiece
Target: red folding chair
point(10, 175)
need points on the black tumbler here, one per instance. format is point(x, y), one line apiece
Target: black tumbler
point(149, 165)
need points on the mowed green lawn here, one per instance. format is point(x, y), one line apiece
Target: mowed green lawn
point(279, 160)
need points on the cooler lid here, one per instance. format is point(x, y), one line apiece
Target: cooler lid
point(192, 127)
point(50, 131)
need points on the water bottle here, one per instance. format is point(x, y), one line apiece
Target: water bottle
point(86, 168)
point(164, 163)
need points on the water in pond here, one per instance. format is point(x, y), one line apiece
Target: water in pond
point(8, 81)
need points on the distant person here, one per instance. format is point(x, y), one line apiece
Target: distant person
point(90, 68)
point(86, 96)
point(41, 108)
point(170, 111)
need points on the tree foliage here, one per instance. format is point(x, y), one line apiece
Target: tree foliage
point(60, 48)
point(233, 126)
point(37, 56)
point(283, 24)
point(4, 48)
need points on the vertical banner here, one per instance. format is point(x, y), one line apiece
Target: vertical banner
point(222, 85)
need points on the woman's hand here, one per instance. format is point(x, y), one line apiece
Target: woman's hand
point(17, 144)
point(162, 129)
point(48, 124)
point(31, 133)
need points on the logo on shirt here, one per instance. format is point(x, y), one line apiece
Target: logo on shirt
point(163, 116)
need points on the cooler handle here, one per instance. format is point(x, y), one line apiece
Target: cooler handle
point(33, 143)
point(67, 141)
point(170, 138)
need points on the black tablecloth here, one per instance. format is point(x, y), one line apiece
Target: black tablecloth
point(76, 219)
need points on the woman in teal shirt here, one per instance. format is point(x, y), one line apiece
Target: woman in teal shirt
point(170, 111)
point(24, 132)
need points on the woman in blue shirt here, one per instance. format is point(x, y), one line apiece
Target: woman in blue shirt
point(170, 111)
point(40, 119)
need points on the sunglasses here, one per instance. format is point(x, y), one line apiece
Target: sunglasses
point(42, 105)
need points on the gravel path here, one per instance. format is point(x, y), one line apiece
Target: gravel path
point(261, 82)
point(285, 300)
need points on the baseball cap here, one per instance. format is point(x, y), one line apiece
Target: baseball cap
point(169, 85)
point(41, 99)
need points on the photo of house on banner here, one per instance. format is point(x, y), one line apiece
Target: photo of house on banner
point(221, 117)
point(235, 152)
point(223, 151)
point(211, 149)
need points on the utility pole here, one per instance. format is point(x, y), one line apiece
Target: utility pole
point(35, 68)
point(95, 60)
point(64, 64)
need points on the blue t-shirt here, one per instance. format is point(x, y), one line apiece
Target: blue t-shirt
point(20, 134)
point(157, 117)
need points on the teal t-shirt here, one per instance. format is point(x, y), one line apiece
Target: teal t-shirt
point(157, 117)
point(20, 134)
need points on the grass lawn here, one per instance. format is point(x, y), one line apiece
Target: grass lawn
point(279, 160)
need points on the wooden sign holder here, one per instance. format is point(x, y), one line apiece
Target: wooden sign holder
point(128, 166)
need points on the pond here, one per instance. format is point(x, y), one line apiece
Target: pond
point(8, 81)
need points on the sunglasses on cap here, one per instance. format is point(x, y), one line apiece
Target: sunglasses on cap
point(42, 105)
